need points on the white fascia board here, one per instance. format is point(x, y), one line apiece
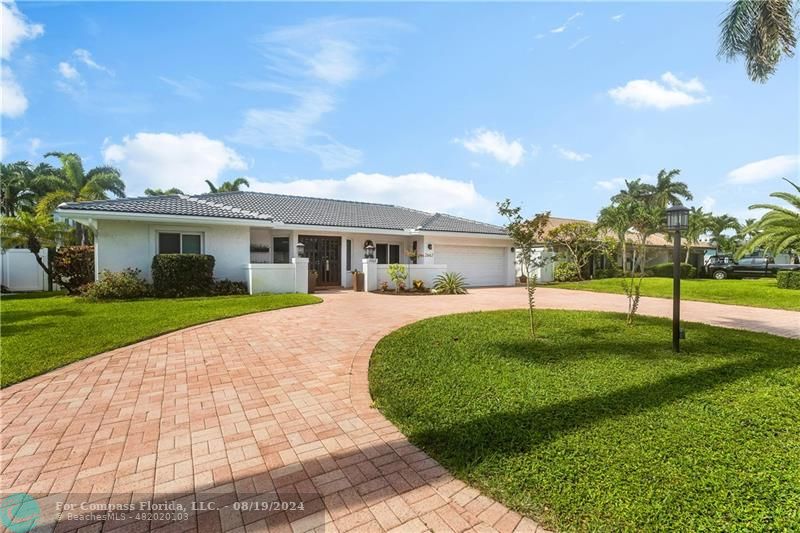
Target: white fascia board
point(77, 215)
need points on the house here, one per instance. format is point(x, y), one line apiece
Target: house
point(254, 238)
point(659, 249)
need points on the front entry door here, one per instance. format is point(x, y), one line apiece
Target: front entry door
point(325, 256)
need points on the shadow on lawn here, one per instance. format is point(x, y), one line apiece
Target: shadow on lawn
point(520, 431)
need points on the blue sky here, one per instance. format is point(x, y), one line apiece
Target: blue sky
point(447, 107)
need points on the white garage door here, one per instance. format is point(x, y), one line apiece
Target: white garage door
point(480, 265)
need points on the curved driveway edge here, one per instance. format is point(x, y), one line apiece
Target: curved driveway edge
point(272, 405)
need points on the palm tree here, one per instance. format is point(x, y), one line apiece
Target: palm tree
point(72, 184)
point(668, 192)
point(718, 226)
point(762, 31)
point(33, 232)
point(15, 188)
point(162, 192)
point(228, 186)
point(699, 225)
point(779, 228)
point(617, 219)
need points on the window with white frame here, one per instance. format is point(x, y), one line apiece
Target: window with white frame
point(179, 243)
point(387, 253)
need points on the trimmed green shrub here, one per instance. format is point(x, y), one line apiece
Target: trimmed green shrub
point(125, 285)
point(566, 271)
point(611, 272)
point(398, 274)
point(73, 267)
point(450, 283)
point(177, 275)
point(664, 270)
point(789, 279)
point(226, 287)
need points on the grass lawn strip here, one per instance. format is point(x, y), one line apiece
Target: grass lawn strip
point(751, 292)
point(599, 426)
point(43, 331)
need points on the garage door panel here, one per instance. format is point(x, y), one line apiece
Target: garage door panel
point(480, 265)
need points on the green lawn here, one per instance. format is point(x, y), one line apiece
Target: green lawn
point(597, 426)
point(753, 292)
point(44, 331)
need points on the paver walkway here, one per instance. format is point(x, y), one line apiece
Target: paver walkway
point(267, 407)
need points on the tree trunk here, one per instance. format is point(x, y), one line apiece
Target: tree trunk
point(624, 255)
point(688, 251)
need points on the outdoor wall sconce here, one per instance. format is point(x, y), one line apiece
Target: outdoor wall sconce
point(301, 248)
point(512, 250)
point(430, 246)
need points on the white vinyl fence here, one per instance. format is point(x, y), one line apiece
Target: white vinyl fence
point(21, 272)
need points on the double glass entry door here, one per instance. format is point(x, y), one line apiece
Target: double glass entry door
point(325, 256)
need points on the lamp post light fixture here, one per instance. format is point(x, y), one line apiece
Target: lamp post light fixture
point(677, 222)
point(370, 248)
point(301, 248)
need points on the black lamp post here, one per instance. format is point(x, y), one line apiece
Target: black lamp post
point(677, 221)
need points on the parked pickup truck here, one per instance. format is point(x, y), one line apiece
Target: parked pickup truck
point(722, 267)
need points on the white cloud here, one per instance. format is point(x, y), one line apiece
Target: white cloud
point(564, 26)
point(164, 160)
point(494, 143)
point(670, 92)
point(578, 42)
point(34, 144)
point(708, 203)
point(189, 87)
point(571, 155)
point(68, 71)
point(3, 147)
point(618, 18)
point(419, 190)
point(312, 63)
point(15, 28)
point(610, 185)
point(85, 57)
point(13, 102)
point(775, 167)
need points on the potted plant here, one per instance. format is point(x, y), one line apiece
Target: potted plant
point(358, 281)
point(312, 280)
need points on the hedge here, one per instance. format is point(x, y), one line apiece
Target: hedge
point(566, 271)
point(176, 275)
point(664, 270)
point(73, 267)
point(789, 279)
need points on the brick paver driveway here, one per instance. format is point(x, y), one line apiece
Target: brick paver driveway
point(267, 407)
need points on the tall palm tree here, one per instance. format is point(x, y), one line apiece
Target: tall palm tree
point(762, 31)
point(779, 228)
point(668, 192)
point(162, 192)
point(699, 225)
point(718, 226)
point(228, 186)
point(34, 232)
point(15, 188)
point(72, 184)
point(617, 219)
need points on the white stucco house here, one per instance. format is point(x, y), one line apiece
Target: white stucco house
point(254, 238)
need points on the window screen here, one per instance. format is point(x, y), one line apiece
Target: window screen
point(382, 253)
point(190, 244)
point(169, 243)
point(349, 251)
point(394, 253)
point(280, 247)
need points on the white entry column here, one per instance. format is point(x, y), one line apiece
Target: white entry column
point(370, 267)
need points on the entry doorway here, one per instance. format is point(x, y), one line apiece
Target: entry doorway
point(325, 256)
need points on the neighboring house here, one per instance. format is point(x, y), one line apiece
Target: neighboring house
point(659, 250)
point(254, 236)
